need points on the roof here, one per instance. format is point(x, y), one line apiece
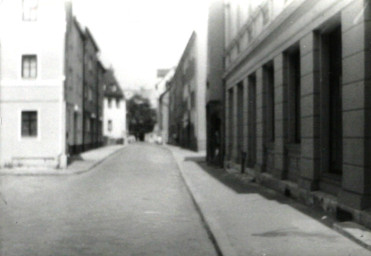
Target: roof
point(112, 88)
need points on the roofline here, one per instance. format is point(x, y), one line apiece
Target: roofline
point(89, 35)
point(101, 65)
point(78, 26)
point(190, 41)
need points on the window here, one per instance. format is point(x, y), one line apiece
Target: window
point(30, 10)
point(90, 94)
point(193, 100)
point(109, 125)
point(294, 94)
point(87, 124)
point(109, 102)
point(118, 103)
point(29, 124)
point(240, 120)
point(331, 97)
point(268, 78)
point(29, 66)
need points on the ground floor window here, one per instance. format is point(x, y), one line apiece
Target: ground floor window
point(29, 124)
point(109, 125)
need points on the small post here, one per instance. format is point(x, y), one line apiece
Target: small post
point(243, 160)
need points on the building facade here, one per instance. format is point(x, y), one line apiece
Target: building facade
point(163, 117)
point(91, 92)
point(297, 98)
point(42, 83)
point(162, 94)
point(214, 88)
point(114, 106)
point(187, 124)
point(74, 86)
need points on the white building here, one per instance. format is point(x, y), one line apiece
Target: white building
point(33, 82)
point(114, 111)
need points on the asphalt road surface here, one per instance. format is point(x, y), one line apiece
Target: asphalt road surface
point(134, 203)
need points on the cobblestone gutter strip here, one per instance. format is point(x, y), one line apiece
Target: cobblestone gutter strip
point(217, 236)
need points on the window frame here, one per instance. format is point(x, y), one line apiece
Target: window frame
point(37, 135)
point(32, 10)
point(23, 59)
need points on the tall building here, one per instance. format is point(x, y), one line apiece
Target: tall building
point(214, 88)
point(187, 95)
point(74, 86)
point(42, 83)
point(297, 98)
point(91, 92)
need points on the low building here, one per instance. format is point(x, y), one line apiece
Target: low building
point(114, 106)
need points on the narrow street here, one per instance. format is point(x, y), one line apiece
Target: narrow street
point(134, 203)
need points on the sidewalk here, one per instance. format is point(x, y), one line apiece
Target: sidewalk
point(85, 162)
point(247, 219)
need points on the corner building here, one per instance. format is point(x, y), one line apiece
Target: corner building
point(297, 98)
point(36, 86)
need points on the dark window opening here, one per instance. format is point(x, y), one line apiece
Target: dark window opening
point(252, 121)
point(29, 124)
point(331, 48)
point(239, 119)
point(268, 77)
point(230, 122)
point(294, 95)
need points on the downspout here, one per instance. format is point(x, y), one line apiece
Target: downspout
point(63, 112)
point(83, 93)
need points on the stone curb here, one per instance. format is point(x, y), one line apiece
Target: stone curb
point(355, 232)
point(217, 236)
point(351, 230)
point(64, 173)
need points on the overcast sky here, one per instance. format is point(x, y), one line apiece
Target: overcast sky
point(139, 36)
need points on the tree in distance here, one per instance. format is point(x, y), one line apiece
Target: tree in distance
point(141, 117)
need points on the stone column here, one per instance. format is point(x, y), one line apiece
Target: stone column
point(356, 93)
point(310, 85)
point(234, 126)
point(279, 108)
